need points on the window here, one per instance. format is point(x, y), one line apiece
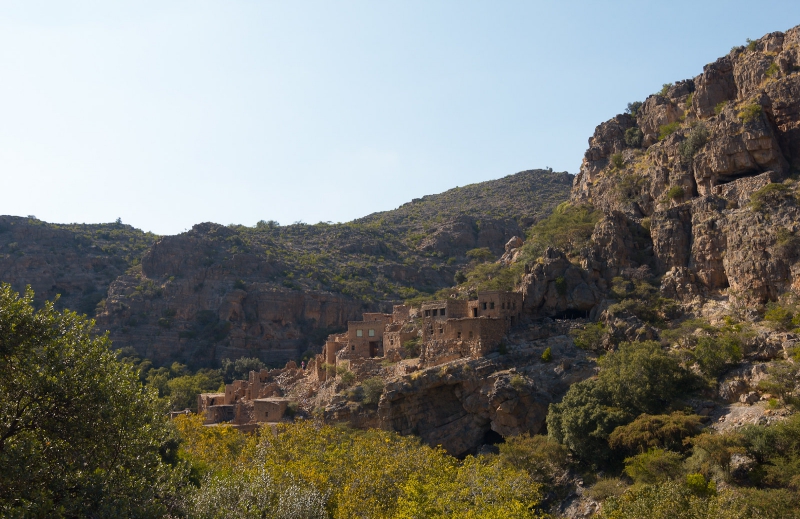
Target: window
point(491, 305)
point(470, 334)
point(359, 333)
point(441, 311)
point(427, 313)
point(434, 312)
point(484, 305)
point(372, 333)
point(503, 306)
point(514, 305)
point(459, 335)
point(353, 346)
point(441, 330)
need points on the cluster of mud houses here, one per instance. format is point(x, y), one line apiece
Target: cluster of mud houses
point(442, 331)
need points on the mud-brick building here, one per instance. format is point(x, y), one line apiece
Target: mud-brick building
point(269, 409)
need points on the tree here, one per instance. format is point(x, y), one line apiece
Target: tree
point(79, 434)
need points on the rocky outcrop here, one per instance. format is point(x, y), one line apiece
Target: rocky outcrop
point(710, 144)
point(457, 405)
point(557, 287)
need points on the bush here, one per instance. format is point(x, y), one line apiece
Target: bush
point(674, 192)
point(666, 130)
point(656, 431)
point(697, 138)
point(633, 108)
point(345, 375)
point(633, 137)
point(780, 316)
point(481, 254)
point(720, 107)
point(547, 355)
point(617, 161)
point(654, 466)
point(607, 487)
point(664, 89)
point(567, 228)
point(373, 389)
point(768, 194)
point(773, 69)
point(590, 337)
point(781, 382)
point(750, 113)
point(517, 382)
point(411, 347)
point(715, 355)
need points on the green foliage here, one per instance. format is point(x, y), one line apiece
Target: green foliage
point(715, 355)
point(630, 186)
point(345, 375)
point(544, 460)
point(633, 137)
point(411, 347)
point(547, 355)
point(642, 299)
point(697, 138)
point(334, 472)
point(752, 45)
point(664, 89)
point(666, 431)
point(638, 378)
point(561, 285)
point(688, 104)
point(482, 254)
point(517, 382)
point(633, 108)
point(674, 192)
point(720, 107)
point(240, 368)
point(781, 381)
point(768, 195)
point(750, 113)
point(79, 435)
point(773, 69)
point(654, 466)
point(590, 337)
point(666, 130)
point(617, 160)
point(607, 487)
point(568, 228)
point(373, 389)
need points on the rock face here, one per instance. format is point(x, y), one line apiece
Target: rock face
point(710, 144)
point(464, 404)
point(75, 262)
point(190, 305)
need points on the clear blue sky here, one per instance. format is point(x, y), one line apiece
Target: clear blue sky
point(167, 114)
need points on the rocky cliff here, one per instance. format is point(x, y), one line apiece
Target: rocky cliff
point(708, 168)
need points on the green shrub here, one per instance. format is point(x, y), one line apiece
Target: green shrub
point(568, 228)
point(481, 254)
point(751, 44)
point(633, 137)
point(697, 138)
point(720, 107)
point(607, 487)
point(750, 113)
point(164, 322)
point(373, 389)
point(674, 193)
point(666, 130)
point(547, 355)
point(769, 193)
point(715, 355)
point(517, 382)
point(773, 69)
point(664, 89)
point(688, 104)
point(781, 381)
point(239, 284)
point(667, 431)
point(654, 466)
point(780, 316)
point(411, 347)
point(345, 375)
point(617, 161)
point(633, 108)
point(590, 337)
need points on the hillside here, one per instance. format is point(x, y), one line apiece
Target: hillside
point(269, 291)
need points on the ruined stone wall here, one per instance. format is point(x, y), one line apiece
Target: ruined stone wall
point(457, 338)
point(446, 309)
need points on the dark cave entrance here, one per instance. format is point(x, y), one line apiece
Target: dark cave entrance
point(572, 314)
point(493, 437)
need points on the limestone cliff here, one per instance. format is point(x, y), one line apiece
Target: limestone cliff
point(708, 167)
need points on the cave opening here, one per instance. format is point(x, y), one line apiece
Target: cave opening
point(572, 314)
point(493, 437)
point(727, 179)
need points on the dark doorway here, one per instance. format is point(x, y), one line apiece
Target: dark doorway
point(373, 349)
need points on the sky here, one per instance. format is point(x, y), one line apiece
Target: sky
point(167, 114)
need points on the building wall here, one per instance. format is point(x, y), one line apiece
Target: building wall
point(445, 309)
point(269, 409)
